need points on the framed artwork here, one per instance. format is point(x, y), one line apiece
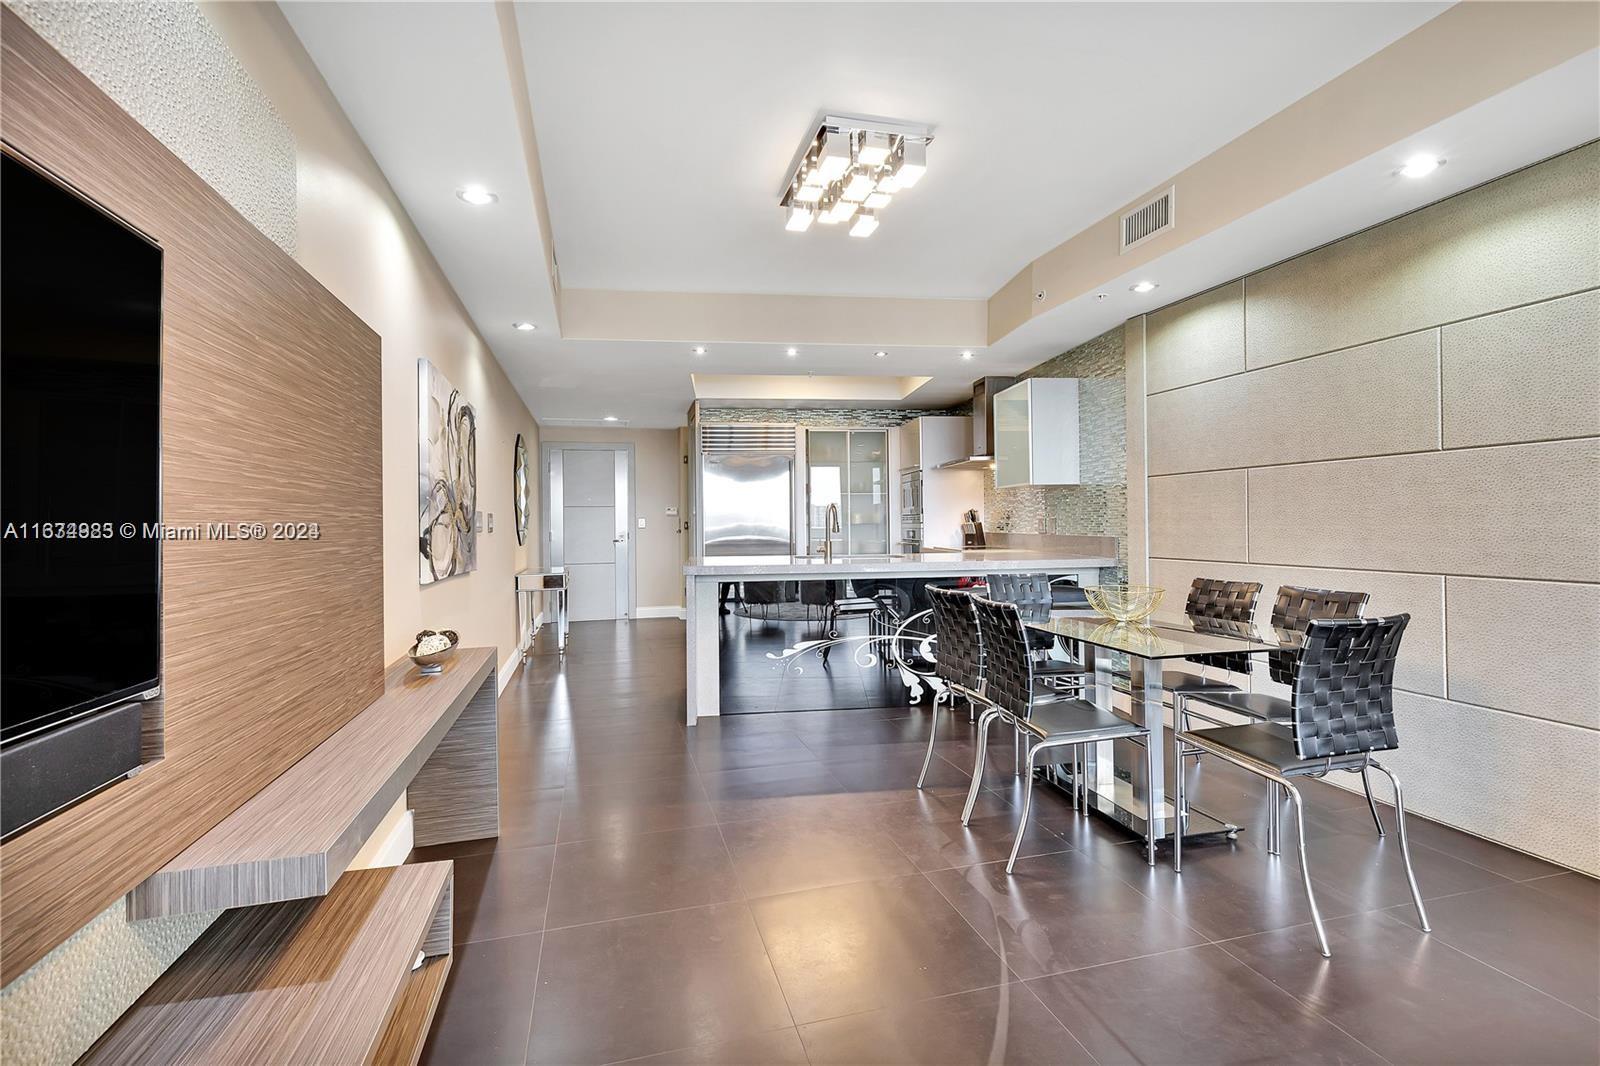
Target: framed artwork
point(519, 487)
point(447, 477)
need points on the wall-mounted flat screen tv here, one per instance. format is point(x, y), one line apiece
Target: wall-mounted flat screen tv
point(80, 492)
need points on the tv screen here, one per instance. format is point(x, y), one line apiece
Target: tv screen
point(80, 470)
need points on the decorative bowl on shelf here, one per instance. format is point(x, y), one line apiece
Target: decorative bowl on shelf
point(434, 647)
point(1124, 603)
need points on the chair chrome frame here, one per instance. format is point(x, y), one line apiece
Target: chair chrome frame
point(1332, 647)
point(963, 675)
point(1010, 696)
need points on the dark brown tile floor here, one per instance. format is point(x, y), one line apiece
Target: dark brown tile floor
point(773, 889)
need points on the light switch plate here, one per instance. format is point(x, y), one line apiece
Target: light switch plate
point(641, 523)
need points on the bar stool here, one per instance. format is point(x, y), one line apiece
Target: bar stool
point(960, 657)
point(1040, 715)
point(1341, 711)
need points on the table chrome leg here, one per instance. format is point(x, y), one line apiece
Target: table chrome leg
point(1178, 801)
point(1149, 712)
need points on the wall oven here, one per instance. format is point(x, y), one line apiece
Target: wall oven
point(911, 511)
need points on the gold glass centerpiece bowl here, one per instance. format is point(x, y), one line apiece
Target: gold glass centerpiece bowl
point(1124, 603)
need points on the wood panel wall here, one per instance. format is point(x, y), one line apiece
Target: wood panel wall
point(270, 412)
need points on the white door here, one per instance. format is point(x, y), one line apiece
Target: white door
point(590, 529)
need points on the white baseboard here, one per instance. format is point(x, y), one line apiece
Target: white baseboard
point(510, 668)
point(507, 671)
point(661, 612)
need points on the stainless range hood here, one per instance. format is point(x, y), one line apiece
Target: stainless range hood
point(982, 455)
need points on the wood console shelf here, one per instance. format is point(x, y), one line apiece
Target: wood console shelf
point(436, 736)
point(325, 980)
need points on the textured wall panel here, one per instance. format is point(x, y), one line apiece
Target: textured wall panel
point(1196, 340)
point(167, 66)
point(1523, 510)
point(1422, 663)
point(1201, 427)
point(1199, 516)
point(1528, 374)
point(1551, 626)
point(1375, 399)
point(1526, 237)
point(1530, 784)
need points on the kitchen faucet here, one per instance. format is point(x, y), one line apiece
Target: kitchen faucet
point(830, 526)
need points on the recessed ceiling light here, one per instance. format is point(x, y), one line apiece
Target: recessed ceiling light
point(609, 418)
point(1142, 286)
point(1420, 166)
point(881, 355)
point(966, 355)
point(525, 327)
point(791, 352)
point(698, 350)
point(476, 195)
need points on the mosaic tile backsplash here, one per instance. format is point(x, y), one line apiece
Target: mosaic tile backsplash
point(869, 417)
point(1099, 505)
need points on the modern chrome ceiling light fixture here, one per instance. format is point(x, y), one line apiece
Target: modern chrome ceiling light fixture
point(851, 169)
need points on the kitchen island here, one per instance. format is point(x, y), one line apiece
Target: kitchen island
point(806, 590)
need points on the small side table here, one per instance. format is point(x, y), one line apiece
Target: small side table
point(550, 584)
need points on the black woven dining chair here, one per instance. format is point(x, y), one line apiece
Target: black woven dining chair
point(1040, 715)
point(1341, 712)
point(958, 658)
point(1293, 610)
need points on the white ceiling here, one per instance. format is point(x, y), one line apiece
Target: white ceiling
point(666, 129)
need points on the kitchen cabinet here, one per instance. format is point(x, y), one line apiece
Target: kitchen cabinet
point(933, 439)
point(1036, 433)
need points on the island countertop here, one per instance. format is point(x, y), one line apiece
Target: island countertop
point(992, 560)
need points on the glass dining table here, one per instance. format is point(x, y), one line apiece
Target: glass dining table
point(1126, 781)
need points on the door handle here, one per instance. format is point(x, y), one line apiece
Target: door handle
point(619, 538)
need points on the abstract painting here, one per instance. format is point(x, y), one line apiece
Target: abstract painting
point(447, 477)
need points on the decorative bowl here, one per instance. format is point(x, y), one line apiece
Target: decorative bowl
point(1124, 603)
point(433, 662)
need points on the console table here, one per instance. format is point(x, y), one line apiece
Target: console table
point(551, 583)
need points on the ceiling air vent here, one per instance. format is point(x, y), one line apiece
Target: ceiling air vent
point(1148, 219)
point(746, 437)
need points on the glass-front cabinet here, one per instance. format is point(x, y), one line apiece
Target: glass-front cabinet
point(848, 468)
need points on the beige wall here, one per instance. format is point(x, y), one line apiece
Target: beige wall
point(658, 550)
point(1414, 411)
point(356, 239)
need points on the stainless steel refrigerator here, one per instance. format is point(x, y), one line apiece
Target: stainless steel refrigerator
point(747, 503)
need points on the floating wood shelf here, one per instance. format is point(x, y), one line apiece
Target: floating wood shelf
point(328, 980)
point(435, 735)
